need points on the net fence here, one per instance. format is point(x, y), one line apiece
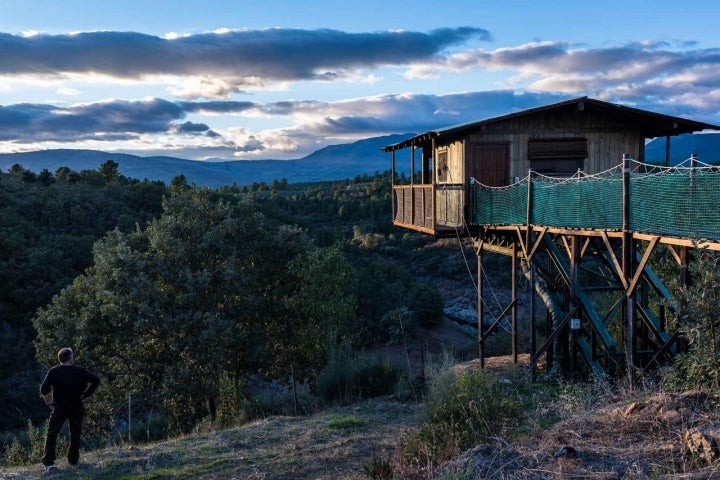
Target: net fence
point(676, 201)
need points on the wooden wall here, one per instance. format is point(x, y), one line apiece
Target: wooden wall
point(456, 163)
point(607, 141)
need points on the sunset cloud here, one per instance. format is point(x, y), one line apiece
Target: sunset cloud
point(211, 89)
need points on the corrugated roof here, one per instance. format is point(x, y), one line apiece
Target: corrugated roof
point(652, 123)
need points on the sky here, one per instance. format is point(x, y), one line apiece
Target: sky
point(279, 79)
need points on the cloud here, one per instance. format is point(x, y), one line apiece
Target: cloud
point(674, 77)
point(223, 62)
point(604, 72)
point(157, 125)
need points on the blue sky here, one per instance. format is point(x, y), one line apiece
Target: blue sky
point(279, 79)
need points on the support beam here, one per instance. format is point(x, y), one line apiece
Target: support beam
point(513, 314)
point(480, 309)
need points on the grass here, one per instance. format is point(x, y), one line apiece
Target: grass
point(362, 441)
point(333, 444)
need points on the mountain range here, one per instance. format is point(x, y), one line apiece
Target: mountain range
point(334, 162)
point(705, 145)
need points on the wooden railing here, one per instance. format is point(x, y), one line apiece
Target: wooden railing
point(414, 207)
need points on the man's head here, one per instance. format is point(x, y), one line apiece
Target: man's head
point(65, 355)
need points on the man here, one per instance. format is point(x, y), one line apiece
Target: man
point(64, 389)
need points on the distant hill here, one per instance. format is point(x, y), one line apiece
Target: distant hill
point(705, 145)
point(334, 162)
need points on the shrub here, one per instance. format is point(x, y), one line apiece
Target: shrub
point(379, 467)
point(459, 411)
point(27, 447)
point(700, 322)
point(349, 377)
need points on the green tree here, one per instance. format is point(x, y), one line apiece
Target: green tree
point(165, 312)
point(109, 171)
point(178, 183)
point(16, 169)
point(699, 320)
point(61, 174)
point(45, 177)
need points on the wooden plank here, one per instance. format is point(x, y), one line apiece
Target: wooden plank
point(615, 262)
point(641, 267)
point(538, 241)
point(675, 255)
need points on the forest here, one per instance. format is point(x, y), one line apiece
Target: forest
point(178, 294)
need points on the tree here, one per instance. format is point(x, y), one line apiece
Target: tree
point(16, 169)
point(61, 174)
point(699, 320)
point(165, 312)
point(109, 171)
point(178, 183)
point(45, 177)
point(29, 176)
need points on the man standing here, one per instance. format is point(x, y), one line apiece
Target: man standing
point(64, 389)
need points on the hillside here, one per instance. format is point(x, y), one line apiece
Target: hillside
point(334, 162)
point(578, 431)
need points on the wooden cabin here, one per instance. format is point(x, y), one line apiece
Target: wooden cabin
point(556, 140)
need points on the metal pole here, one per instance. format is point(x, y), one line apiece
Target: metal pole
point(513, 311)
point(533, 335)
point(481, 340)
point(129, 417)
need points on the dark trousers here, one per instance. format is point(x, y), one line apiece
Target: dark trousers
point(57, 418)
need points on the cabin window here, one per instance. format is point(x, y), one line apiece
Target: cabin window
point(442, 167)
point(557, 156)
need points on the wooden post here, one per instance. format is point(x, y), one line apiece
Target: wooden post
point(434, 200)
point(392, 187)
point(628, 252)
point(574, 262)
point(531, 265)
point(412, 185)
point(667, 150)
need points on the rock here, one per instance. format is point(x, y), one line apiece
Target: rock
point(703, 442)
point(670, 416)
point(633, 408)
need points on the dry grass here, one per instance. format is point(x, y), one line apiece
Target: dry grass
point(629, 435)
point(621, 437)
point(334, 444)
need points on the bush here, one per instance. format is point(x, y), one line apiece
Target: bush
point(699, 368)
point(239, 403)
point(459, 411)
point(27, 448)
point(348, 377)
point(379, 467)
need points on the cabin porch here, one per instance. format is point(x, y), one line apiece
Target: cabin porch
point(427, 208)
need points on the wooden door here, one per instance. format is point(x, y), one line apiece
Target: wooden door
point(490, 164)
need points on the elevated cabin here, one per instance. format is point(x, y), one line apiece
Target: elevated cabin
point(555, 140)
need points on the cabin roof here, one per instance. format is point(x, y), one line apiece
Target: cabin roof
point(651, 123)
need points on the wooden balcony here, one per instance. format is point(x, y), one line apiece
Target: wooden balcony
point(414, 205)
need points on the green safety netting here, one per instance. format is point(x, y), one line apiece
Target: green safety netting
point(682, 202)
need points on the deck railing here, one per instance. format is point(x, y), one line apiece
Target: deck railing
point(669, 201)
point(414, 207)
